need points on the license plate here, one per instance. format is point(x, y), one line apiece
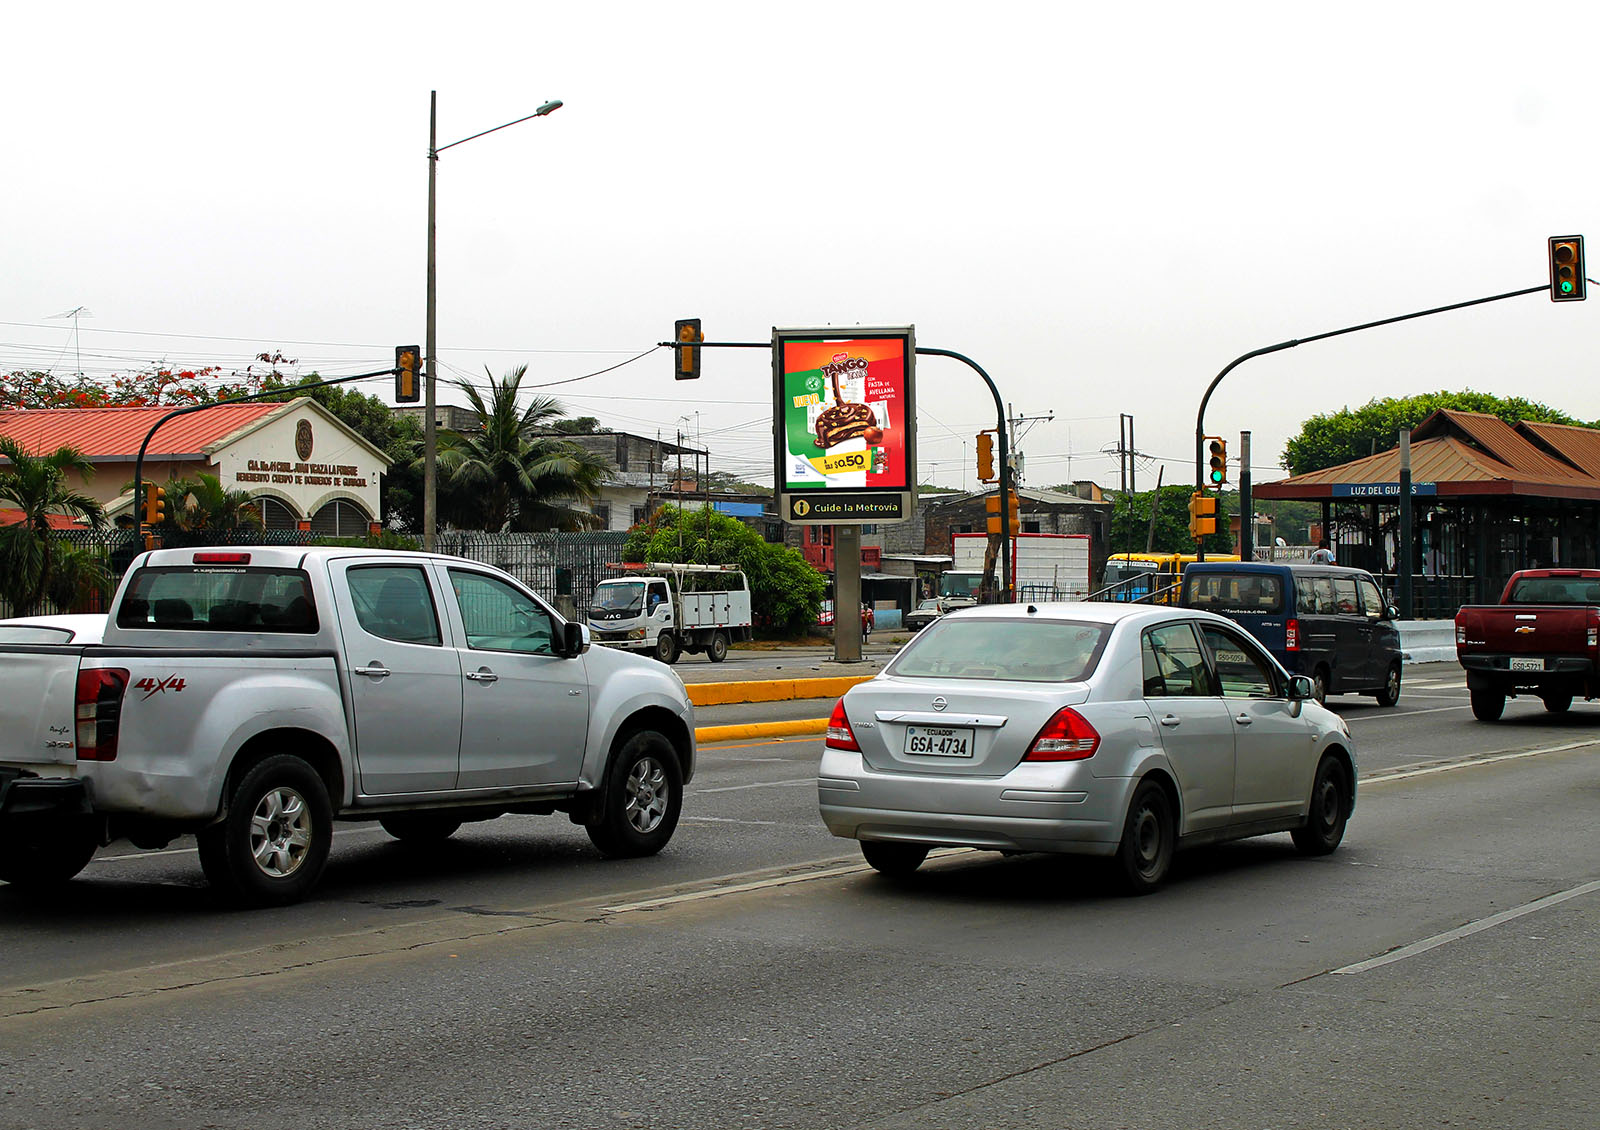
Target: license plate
point(1527, 665)
point(938, 741)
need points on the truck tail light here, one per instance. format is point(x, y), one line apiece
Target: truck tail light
point(840, 735)
point(1291, 636)
point(99, 712)
point(1461, 632)
point(1066, 737)
point(1592, 639)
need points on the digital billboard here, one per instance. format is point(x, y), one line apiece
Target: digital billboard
point(845, 424)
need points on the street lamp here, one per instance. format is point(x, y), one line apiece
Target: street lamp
point(430, 438)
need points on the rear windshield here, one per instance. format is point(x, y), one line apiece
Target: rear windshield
point(1233, 592)
point(1029, 651)
point(1555, 590)
point(219, 598)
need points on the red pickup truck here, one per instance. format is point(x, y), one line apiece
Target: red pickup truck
point(1543, 638)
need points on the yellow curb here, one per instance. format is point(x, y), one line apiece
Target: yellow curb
point(771, 690)
point(760, 730)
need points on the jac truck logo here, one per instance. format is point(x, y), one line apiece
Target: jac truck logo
point(152, 687)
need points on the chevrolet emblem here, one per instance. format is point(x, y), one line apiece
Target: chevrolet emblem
point(1524, 629)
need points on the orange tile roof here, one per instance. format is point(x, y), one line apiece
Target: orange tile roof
point(10, 517)
point(111, 433)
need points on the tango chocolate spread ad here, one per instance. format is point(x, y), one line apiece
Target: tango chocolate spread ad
point(844, 414)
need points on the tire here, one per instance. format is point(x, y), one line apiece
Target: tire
point(640, 802)
point(666, 648)
point(1329, 810)
point(50, 856)
point(1319, 685)
point(420, 827)
point(1390, 693)
point(893, 859)
point(1488, 705)
point(1558, 703)
point(1149, 835)
point(273, 844)
point(717, 650)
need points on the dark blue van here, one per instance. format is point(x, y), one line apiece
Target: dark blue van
point(1325, 621)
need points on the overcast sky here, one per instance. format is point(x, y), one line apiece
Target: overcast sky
point(1101, 204)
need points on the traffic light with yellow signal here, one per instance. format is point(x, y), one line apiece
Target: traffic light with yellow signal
point(1013, 507)
point(407, 374)
point(1566, 268)
point(1217, 468)
point(986, 457)
point(155, 504)
point(1202, 514)
point(687, 332)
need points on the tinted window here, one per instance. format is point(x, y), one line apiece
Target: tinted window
point(1555, 590)
point(1344, 596)
point(1371, 599)
point(1034, 651)
point(1314, 596)
point(1233, 592)
point(219, 598)
point(393, 601)
point(498, 617)
point(1173, 663)
point(1243, 671)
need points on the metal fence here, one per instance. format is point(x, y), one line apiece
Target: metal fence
point(552, 564)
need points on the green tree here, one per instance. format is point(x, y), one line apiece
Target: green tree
point(512, 474)
point(203, 503)
point(1333, 438)
point(35, 560)
point(785, 590)
point(1130, 522)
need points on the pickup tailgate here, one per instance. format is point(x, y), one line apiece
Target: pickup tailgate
point(36, 710)
point(1523, 629)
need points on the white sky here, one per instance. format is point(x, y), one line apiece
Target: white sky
point(1101, 204)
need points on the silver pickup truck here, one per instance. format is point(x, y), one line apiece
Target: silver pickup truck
point(252, 696)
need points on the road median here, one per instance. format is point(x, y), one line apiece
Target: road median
point(771, 690)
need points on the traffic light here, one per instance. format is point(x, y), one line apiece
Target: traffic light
point(155, 504)
point(1566, 268)
point(1013, 505)
point(687, 367)
point(1217, 472)
point(986, 457)
point(1202, 514)
point(407, 374)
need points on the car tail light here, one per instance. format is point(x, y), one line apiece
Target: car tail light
point(1291, 636)
point(1066, 737)
point(99, 712)
point(840, 735)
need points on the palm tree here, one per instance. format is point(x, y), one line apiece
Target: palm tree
point(30, 551)
point(511, 474)
point(202, 503)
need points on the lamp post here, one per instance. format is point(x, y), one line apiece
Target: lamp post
point(430, 437)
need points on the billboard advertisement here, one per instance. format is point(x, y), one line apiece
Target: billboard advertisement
point(845, 417)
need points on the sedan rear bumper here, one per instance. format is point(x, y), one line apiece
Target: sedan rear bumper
point(1057, 807)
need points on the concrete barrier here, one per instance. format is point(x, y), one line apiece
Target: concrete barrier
point(1427, 641)
point(771, 690)
point(749, 730)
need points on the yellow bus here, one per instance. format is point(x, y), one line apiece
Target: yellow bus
point(1152, 577)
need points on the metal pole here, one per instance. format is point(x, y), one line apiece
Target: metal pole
point(1402, 538)
point(430, 437)
point(1247, 517)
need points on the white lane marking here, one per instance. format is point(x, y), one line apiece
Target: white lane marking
point(760, 785)
point(1469, 929)
point(726, 820)
point(1401, 774)
point(1406, 714)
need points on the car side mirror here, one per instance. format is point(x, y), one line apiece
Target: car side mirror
point(574, 640)
point(1301, 687)
point(1390, 612)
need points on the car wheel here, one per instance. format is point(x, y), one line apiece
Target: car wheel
point(271, 847)
point(1319, 684)
point(666, 648)
point(1145, 853)
point(1488, 705)
point(49, 856)
point(641, 799)
point(1330, 808)
point(420, 827)
point(893, 859)
point(718, 649)
point(1558, 703)
point(1390, 694)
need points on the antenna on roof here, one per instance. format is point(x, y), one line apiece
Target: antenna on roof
point(75, 313)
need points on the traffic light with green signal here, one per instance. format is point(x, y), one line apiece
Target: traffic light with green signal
point(1566, 268)
point(1217, 469)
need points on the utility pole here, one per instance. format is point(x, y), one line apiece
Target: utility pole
point(1012, 420)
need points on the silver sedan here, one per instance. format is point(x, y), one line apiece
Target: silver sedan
point(1114, 730)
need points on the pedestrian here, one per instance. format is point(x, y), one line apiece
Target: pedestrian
point(1322, 555)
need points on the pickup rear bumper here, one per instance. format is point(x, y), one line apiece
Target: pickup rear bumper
point(24, 796)
point(1562, 673)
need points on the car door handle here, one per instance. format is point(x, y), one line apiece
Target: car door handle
point(375, 671)
point(483, 676)
point(1172, 720)
point(1243, 719)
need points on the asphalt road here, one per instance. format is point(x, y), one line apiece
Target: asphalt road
point(756, 974)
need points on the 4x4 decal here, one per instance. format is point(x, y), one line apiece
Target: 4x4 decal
point(152, 687)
